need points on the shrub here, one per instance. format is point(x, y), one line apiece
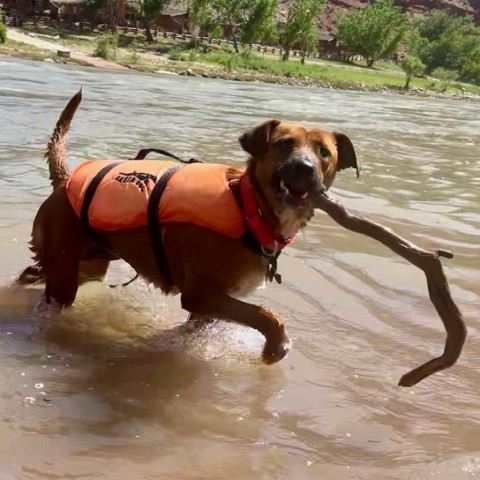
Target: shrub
point(3, 33)
point(3, 27)
point(445, 76)
point(471, 71)
point(232, 62)
point(107, 47)
point(175, 54)
point(134, 57)
point(413, 67)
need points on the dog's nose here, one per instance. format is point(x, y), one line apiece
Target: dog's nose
point(303, 166)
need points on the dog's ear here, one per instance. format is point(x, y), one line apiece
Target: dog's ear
point(255, 141)
point(347, 157)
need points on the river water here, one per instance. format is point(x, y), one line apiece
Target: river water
point(117, 389)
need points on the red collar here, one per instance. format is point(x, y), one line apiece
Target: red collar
point(257, 224)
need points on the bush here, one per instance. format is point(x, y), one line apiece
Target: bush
point(175, 54)
point(215, 32)
point(3, 33)
point(232, 62)
point(413, 67)
point(3, 27)
point(107, 47)
point(445, 76)
point(133, 58)
point(471, 72)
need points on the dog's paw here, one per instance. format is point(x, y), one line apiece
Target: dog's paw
point(274, 352)
point(32, 275)
point(44, 309)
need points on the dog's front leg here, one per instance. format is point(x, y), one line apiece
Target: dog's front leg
point(215, 304)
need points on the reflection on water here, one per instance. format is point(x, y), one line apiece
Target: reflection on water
point(121, 388)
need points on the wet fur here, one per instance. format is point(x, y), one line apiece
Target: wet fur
point(209, 271)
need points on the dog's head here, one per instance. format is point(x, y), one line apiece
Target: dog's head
point(292, 163)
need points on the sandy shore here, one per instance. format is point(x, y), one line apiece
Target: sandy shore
point(54, 47)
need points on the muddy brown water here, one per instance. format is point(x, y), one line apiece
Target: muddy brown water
point(117, 389)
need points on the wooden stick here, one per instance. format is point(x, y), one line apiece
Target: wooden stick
point(438, 288)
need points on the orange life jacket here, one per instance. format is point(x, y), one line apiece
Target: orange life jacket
point(197, 193)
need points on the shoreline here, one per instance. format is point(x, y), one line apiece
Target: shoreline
point(28, 51)
point(311, 83)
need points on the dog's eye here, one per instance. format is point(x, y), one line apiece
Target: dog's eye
point(285, 143)
point(323, 152)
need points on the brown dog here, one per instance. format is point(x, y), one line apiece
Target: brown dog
point(287, 165)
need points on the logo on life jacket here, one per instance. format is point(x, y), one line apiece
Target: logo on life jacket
point(138, 178)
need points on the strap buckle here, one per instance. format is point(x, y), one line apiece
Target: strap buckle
point(272, 267)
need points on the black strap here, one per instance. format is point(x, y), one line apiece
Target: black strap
point(145, 151)
point(125, 284)
point(152, 210)
point(90, 192)
point(154, 222)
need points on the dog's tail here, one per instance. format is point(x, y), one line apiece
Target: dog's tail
point(56, 153)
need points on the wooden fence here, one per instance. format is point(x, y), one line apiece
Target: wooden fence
point(261, 48)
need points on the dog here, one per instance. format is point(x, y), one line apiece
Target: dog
point(287, 165)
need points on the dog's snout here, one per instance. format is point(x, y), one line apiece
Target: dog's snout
point(301, 166)
point(304, 166)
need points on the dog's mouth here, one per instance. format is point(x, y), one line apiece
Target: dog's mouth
point(295, 192)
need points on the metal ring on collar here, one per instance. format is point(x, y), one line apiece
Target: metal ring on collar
point(270, 253)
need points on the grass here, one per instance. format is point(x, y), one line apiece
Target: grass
point(22, 50)
point(220, 60)
point(29, 52)
point(341, 75)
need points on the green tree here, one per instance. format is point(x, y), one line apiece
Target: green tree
point(308, 41)
point(413, 67)
point(90, 9)
point(301, 30)
point(198, 14)
point(258, 23)
point(444, 40)
point(445, 76)
point(373, 31)
point(471, 68)
point(148, 10)
point(247, 20)
point(112, 20)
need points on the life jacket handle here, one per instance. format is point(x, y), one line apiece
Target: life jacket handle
point(145, 151)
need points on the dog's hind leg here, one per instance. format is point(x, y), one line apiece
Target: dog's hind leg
point(62, 281)
point(59, 242)
point(61, 273)
point(89, 271)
